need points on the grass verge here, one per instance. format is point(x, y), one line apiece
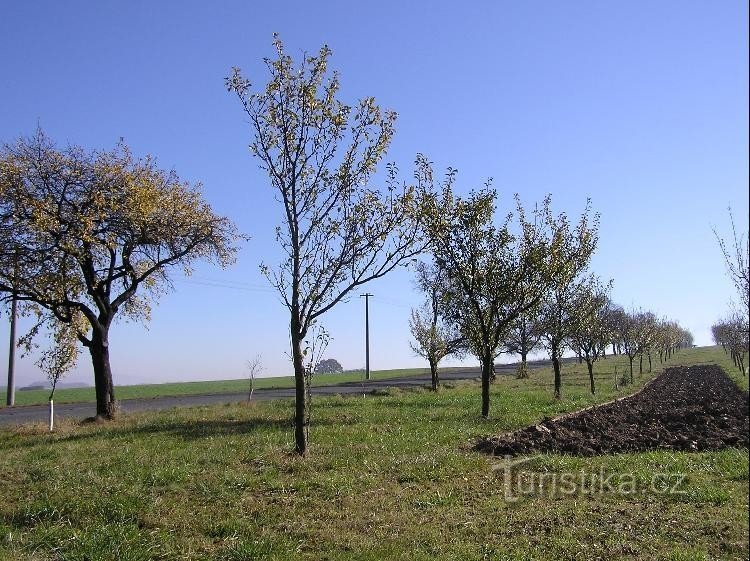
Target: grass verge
point(389, 477)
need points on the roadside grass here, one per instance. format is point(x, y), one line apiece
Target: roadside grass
point(241, 385)
point(388, 477)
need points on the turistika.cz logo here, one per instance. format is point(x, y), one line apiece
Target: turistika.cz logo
point(520, 482)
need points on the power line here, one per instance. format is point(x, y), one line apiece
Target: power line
point(230, 281)
point(227, 285)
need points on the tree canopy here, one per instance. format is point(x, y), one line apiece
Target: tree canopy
point(495, 271)
point(329, 366)
point(91, 235)
point(337, 231)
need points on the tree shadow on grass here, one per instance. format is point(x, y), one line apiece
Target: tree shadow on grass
point(194, 430)
point(188, 429)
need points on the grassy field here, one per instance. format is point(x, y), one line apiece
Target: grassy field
point(77, 395)
point(388, 477)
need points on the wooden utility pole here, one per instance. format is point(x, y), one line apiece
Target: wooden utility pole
point(366, 296)
point(10, 393)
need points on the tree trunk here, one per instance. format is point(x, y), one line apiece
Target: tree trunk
point(106, 406)
point(631, 368)
point(487, 364)
point(301, 421)
point(640, 364)
point(523, 371)
point(649, 363)
point(435, 375)
point(590, 366)
point(556, 368)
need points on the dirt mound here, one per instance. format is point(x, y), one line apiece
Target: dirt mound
point(685, 408)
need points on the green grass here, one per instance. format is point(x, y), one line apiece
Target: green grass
point(76, 395)
point(388, 477)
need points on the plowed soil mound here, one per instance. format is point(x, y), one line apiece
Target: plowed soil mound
point(685, 408)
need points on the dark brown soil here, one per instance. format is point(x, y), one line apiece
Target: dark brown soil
point(685, 408)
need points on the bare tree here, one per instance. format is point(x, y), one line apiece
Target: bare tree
point(737, 260)
point(337, 233)
point(254, 369)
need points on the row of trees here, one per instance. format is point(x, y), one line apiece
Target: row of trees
point(577, 316)
point(641, 334)
point(89, 236)
point(488, 277)
point(732, 334)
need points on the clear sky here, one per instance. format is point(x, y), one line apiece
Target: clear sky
point(642, 106)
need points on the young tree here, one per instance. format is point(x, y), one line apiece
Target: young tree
point(254, 369)
point(646, 335)
point(94, 234)
point(434, 337)
point(493, 274)
point(336, 233)
point(60, 357)
point(571, 248)
point(616, 319)
point(590, 331)
point(523, 337)
point(635, 334)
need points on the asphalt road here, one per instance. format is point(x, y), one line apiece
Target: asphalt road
point(18, 415)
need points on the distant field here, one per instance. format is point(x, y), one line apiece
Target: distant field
point(388, 477)
point(78, 395)
point(84, 395)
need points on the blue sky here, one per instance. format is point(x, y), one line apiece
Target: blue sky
point(641, 106)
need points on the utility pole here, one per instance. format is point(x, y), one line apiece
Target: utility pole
point(366, 296)
point(10, 391)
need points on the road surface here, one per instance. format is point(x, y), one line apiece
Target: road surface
point(22, 414)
